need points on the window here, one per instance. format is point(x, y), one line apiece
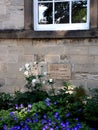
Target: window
point(61, 15)
point(37, 25)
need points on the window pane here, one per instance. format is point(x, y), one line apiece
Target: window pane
point(45, 0)
point(45, 13)
point(62, 12)
point(79, 11)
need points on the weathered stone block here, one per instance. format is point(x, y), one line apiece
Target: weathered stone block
point(52, 58)
point(79, 59)
point(93, 50)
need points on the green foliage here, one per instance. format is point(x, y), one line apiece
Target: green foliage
point(29, 97)
point(44, 114)
point(9, 101)
point(91, 106)
point(6, 100)
point(70, 107)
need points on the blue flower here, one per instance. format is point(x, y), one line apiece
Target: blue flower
point(68, 114)
point(63, 124)
point(55, 103)
point(46, 126)
point(22, 123)
point(57, 127)
point(47, 101)
point(5, 127)
point(76, 119)
point(28, 120)
point(11, 113)
point(35, 120)
point(92, 129)
point(15, 119)
point(21, 106)
point(79, 125)
point(45, 116)
point(16, 106)
point(43, 121)
point(29, 106)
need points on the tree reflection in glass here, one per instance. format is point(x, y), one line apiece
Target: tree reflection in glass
point(79, 11)
point(45, 13)
point(60, 12)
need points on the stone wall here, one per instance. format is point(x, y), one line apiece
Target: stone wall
point(82, 55)
point(11, 14)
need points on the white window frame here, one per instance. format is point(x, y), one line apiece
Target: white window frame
point(60, 27)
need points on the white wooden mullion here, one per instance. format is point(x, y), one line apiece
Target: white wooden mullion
point(36, 14)
point(53, 14)
point(88, 11)
point(70, 11)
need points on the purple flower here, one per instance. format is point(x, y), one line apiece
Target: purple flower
point(21, 106)
point(51, 129)
point(21, 123)
point(57, 128)
point(15, 119)
point(35, 120)
point(5, 127)
point(63, 124)
point(56, 114)
point(55, 103)
point(46, 126)
point(76, 119)
point(28, 110)
point(16, 106)
point(44, 116)
point(47, 101)
point(29, 106)
point(28, 120)
point(68, 114)
point(11, 113)
point(79, 125)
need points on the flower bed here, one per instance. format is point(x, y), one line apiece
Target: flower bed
point(70, 109)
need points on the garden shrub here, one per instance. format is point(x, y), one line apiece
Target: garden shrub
point(29, 97)
point(69, 109)
point(6, 100)
point(44, 115)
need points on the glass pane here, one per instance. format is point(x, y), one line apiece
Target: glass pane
point(62, 12)
point(79, 11)
point(45, 0)
point(45, 13)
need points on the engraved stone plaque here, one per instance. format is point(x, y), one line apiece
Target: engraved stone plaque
point(59, 71)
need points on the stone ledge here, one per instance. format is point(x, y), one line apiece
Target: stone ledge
point(48, 34)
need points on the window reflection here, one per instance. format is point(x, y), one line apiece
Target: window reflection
point(62, 12)
point(45, 13)
point(79, 11)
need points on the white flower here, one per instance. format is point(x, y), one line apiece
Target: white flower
point(26, 73)
point(34, 80)
point(45, 73)
point(35, 63)
point(27, 66)
point(70, 92)
point(50, 80)
point(44, 82)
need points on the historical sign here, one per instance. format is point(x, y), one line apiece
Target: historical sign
point(59, 71)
